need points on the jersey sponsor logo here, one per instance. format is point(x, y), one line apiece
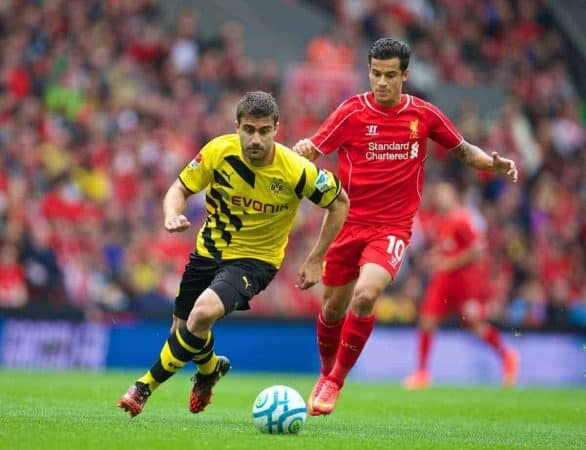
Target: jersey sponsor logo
point(277, 186)
point(392, 151)
point(371, 130)
point(256, 205)
point(414, 150)
point(323, 182)
point(374, 156)
point(381, 147)
point(413, 126)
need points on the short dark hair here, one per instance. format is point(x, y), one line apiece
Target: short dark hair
point(388, 48)
point(257, 104)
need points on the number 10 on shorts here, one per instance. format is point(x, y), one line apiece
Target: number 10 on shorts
point(396, 249)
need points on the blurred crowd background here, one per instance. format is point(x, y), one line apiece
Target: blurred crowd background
point(102, 103)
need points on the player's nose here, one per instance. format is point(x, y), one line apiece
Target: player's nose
point(255, 139)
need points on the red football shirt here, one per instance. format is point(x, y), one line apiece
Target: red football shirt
point(455, 233)
point(381, 154)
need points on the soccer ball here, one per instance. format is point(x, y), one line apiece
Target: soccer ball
point(280, 410)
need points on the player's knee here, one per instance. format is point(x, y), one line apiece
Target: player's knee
point(202, 316)
point(333, 311)
point(363, 300)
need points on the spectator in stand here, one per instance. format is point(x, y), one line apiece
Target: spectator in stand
point(529, 308)
point(13, 292)
point(95, 92)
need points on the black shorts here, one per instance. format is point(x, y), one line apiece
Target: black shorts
point(235, 281)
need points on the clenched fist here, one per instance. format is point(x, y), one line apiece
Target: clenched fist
point(177, 223)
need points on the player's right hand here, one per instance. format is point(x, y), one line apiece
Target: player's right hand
point(177, 223)
point(305, 148)
point(309, 273)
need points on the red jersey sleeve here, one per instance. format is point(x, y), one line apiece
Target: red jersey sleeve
point(332, 134)
point(465, 231)
point(441, 129)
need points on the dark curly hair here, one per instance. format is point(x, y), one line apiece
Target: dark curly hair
point(388, 48)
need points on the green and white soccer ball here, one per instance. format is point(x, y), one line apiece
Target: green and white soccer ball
point(279, 410)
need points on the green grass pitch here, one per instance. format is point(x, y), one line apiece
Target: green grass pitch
point(77, 410)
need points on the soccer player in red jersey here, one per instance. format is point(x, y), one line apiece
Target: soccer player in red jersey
point(381, 141)
point(456, 285)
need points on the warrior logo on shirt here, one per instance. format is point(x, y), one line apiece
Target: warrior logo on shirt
point(371, 130)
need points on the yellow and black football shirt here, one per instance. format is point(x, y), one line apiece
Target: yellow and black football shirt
point(251, 209)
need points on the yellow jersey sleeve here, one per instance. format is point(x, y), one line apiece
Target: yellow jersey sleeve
point(197, 175)
point(321, 186)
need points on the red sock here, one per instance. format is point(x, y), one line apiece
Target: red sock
point(425, 341)
point(328, 338)
point(355, 333)
point(493, 338)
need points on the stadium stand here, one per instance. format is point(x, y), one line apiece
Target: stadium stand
point(102, 104)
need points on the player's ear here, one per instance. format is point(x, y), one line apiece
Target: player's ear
point(276, 127)
point(405, 74)
point(236, 126)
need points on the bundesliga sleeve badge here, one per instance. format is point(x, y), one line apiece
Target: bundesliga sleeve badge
point(194, 164)
point(323, 182)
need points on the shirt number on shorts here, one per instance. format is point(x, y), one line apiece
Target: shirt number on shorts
point(396, 247)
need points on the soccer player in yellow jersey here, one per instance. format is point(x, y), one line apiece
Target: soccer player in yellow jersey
point(254, 186)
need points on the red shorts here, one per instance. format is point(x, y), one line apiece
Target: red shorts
point(454, 294)
point(357, 245)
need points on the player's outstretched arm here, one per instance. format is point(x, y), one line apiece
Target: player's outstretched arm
point(311, 270)
point(305, 148)
point(174, 205)
point(477, 158)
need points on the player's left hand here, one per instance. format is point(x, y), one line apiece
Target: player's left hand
point(505, 166)
point(309, 274)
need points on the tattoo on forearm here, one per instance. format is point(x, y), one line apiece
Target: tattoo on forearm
point(465, 153)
